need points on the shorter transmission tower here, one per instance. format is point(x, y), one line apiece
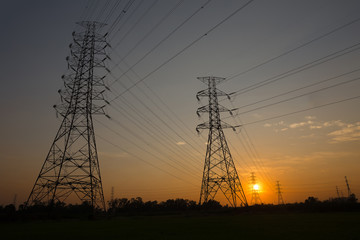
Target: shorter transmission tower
point(219, 168)
point(112, 194)
point(15, 200)
point(337, 192)
point(348, 186)
point(255, 197)
point(279, 193)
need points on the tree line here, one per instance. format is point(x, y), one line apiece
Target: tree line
point(136, 206)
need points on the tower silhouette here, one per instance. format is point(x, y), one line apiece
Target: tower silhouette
point(347, 186)
point(219, 168)
point(255, 197)
point(279, 193)
point(71, 169)
point(337, 192)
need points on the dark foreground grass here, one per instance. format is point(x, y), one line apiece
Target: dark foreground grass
point(240, 226)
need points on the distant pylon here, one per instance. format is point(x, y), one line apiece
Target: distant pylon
point(71, 169)
point(14, 200)
point(279, 193)
point(219, 168)
point(255, 197)
point(112, 194)
point(337, 192)
point(348, 186)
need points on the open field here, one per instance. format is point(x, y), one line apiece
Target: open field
point(240, 226)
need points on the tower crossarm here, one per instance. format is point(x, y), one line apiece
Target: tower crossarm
point(207, 93)
point(208, 108)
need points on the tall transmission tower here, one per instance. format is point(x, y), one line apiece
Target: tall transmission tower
point(71, 169)
point(279, 193)
point(255, 197)
point(219, 169)
point(348, 186)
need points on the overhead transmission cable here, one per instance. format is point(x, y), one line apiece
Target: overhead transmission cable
point(158, 136)
point(144, 161)
point(300, 88)
point(165, 134)
point(304, 67)
point(303, 110)
point(136, 8)
point(146, 151)
point(157, 106)
point(102, 10)
point(294, 49)
point(120, 16)
point(250, 152)
point(172, 10)
point(161, 120)
point(136, 23)
point(298, 96)
point(112, 11)
point(153, 131)
point(185, 48)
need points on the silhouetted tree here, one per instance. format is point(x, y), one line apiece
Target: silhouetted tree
point(211, 204)
point(352, 198)
point(311, 201)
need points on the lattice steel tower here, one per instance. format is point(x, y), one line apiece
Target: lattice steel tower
point(71, 169)
point(219, 169)
point(255, 197)
point(337, 192)
point(347, 186)
point(279, 193)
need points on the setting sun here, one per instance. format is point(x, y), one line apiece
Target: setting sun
point(256, 187)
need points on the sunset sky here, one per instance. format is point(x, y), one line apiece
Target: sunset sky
point(294, 67)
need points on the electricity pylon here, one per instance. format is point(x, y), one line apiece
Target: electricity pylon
point(255, 197)
point(348, 186)
point(219, 168)
point(337, 192)
point(71, 169)
point(279, 193)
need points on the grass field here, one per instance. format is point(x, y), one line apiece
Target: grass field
point(241, 226)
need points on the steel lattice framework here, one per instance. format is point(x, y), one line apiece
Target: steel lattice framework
point(71, 167)
point(255, 197)
point(279, 193)
point(219, 169)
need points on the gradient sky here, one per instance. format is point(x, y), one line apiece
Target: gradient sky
point(309, 152)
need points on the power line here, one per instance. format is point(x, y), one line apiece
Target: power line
point(136, 23)
point(102, 10)
point(147, 151)
point(155, 136)
point(185, 48)
point(162, 121)
point(301, 88)
point(254, 156)
point(120, 16)
point(304, 67)
point(158, 107)
point(298, 96)
point(113, 9)
point(294, 49)
point(144, 161)
point(162, 40)
point(303, 110)
point(129, 17)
